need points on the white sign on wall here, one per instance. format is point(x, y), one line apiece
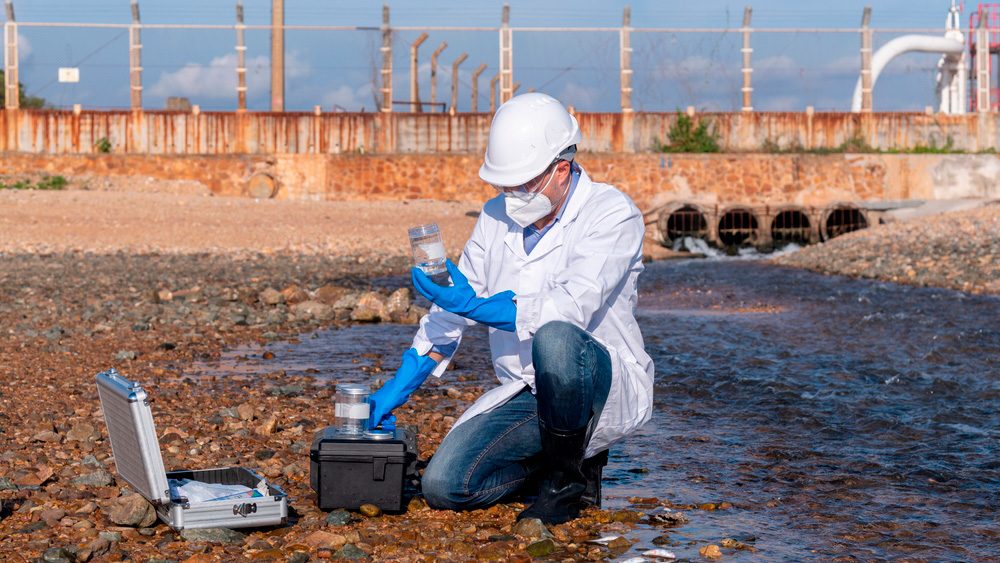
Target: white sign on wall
point(69, 75)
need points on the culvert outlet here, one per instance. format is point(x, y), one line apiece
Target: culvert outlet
point(685, 221)
point(841, 219)
point(737, 227)
point(791, 226)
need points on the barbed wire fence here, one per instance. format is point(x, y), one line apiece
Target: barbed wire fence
point(437, 69)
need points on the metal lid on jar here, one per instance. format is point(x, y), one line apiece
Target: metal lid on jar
point(379, 434)
point(354, 389)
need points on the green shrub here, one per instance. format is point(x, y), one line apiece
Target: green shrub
point(46, 183)
point(685, 136)
point(103, 145)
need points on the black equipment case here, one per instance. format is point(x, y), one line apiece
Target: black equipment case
point(350, 471)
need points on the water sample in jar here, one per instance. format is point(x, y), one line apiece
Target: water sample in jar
point(428, 252)
point(352, 409)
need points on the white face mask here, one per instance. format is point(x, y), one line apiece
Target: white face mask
point(525, 209)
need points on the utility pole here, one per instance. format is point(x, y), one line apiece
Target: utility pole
point(135, 58)
point(277, 55)
point(12, 92)
point(506, 58)
point(626, 60)
point(241, 60)
point(866, 61)
point(747, 69)
point(386, 61)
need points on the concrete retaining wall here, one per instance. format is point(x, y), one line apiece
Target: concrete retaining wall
point(652, 180)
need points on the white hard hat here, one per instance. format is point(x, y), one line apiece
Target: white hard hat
point(527, 134)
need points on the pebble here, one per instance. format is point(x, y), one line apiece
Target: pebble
point(132, 510)
point(216, 535)
point(350, 552)
point(338, 518)
point(101, 478)
point(531, 528)
point(710, 551)
point(370, 510)
point(541, 548)
point(58, 555)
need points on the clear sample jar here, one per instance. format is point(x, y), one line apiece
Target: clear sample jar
point(352, 409)
point(428, 252)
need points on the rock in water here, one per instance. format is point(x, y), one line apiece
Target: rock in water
point(531, 528)
point(541, 548)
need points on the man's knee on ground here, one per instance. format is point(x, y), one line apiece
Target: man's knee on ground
point(440, 492)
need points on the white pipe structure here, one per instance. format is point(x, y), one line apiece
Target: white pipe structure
point(951, 48)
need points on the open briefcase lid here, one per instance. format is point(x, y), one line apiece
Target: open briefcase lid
point(133, 437)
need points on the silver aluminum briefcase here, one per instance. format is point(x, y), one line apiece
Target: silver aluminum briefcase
point(140, 463)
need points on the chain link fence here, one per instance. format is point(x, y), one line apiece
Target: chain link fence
point(341, 69)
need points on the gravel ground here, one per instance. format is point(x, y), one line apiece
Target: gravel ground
point(148, 281)
point(957, 250)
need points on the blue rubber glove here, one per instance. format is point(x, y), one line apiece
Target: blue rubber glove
point(409, 376)
point(497, 311)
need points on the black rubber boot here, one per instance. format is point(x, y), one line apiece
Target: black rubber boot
point(562, 483)
point(592, 469)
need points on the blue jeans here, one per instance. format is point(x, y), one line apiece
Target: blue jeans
point(491, 455)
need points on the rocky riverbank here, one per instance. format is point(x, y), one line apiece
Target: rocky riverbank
point(957, 250)
point(147, 283)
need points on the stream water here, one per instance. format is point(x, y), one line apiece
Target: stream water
point(841, 420)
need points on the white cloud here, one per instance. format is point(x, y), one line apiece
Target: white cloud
point(218, 80)
point(780, 64)
point(349, 99)
point(579, 96)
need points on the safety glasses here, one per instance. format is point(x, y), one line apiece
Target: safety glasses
point(532, 186)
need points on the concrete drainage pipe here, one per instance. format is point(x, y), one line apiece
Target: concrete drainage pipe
point(738, 226)
point(682, 220)
point(792, 225)
point(842, 218)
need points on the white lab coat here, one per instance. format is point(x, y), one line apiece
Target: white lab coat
point(583, 271)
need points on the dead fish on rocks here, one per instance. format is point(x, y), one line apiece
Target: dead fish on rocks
point(659, 554)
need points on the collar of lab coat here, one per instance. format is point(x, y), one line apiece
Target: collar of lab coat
point(552, 239)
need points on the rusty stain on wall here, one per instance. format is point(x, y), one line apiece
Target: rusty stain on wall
point(171, 132)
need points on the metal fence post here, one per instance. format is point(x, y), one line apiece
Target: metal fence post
point(454, 80)
point(493, 93)
point(414, 86)
point(475, 86)
point(626, 61)
point(866, 61)
point(12, 91)
point(506, 58)
point(135, 57)
point(434, 70)
point(386, 61)
point(241, 61)
point(747, 69)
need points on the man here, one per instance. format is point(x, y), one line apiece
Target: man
point(551, 268)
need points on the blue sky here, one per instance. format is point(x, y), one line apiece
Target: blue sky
point(335, 69)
